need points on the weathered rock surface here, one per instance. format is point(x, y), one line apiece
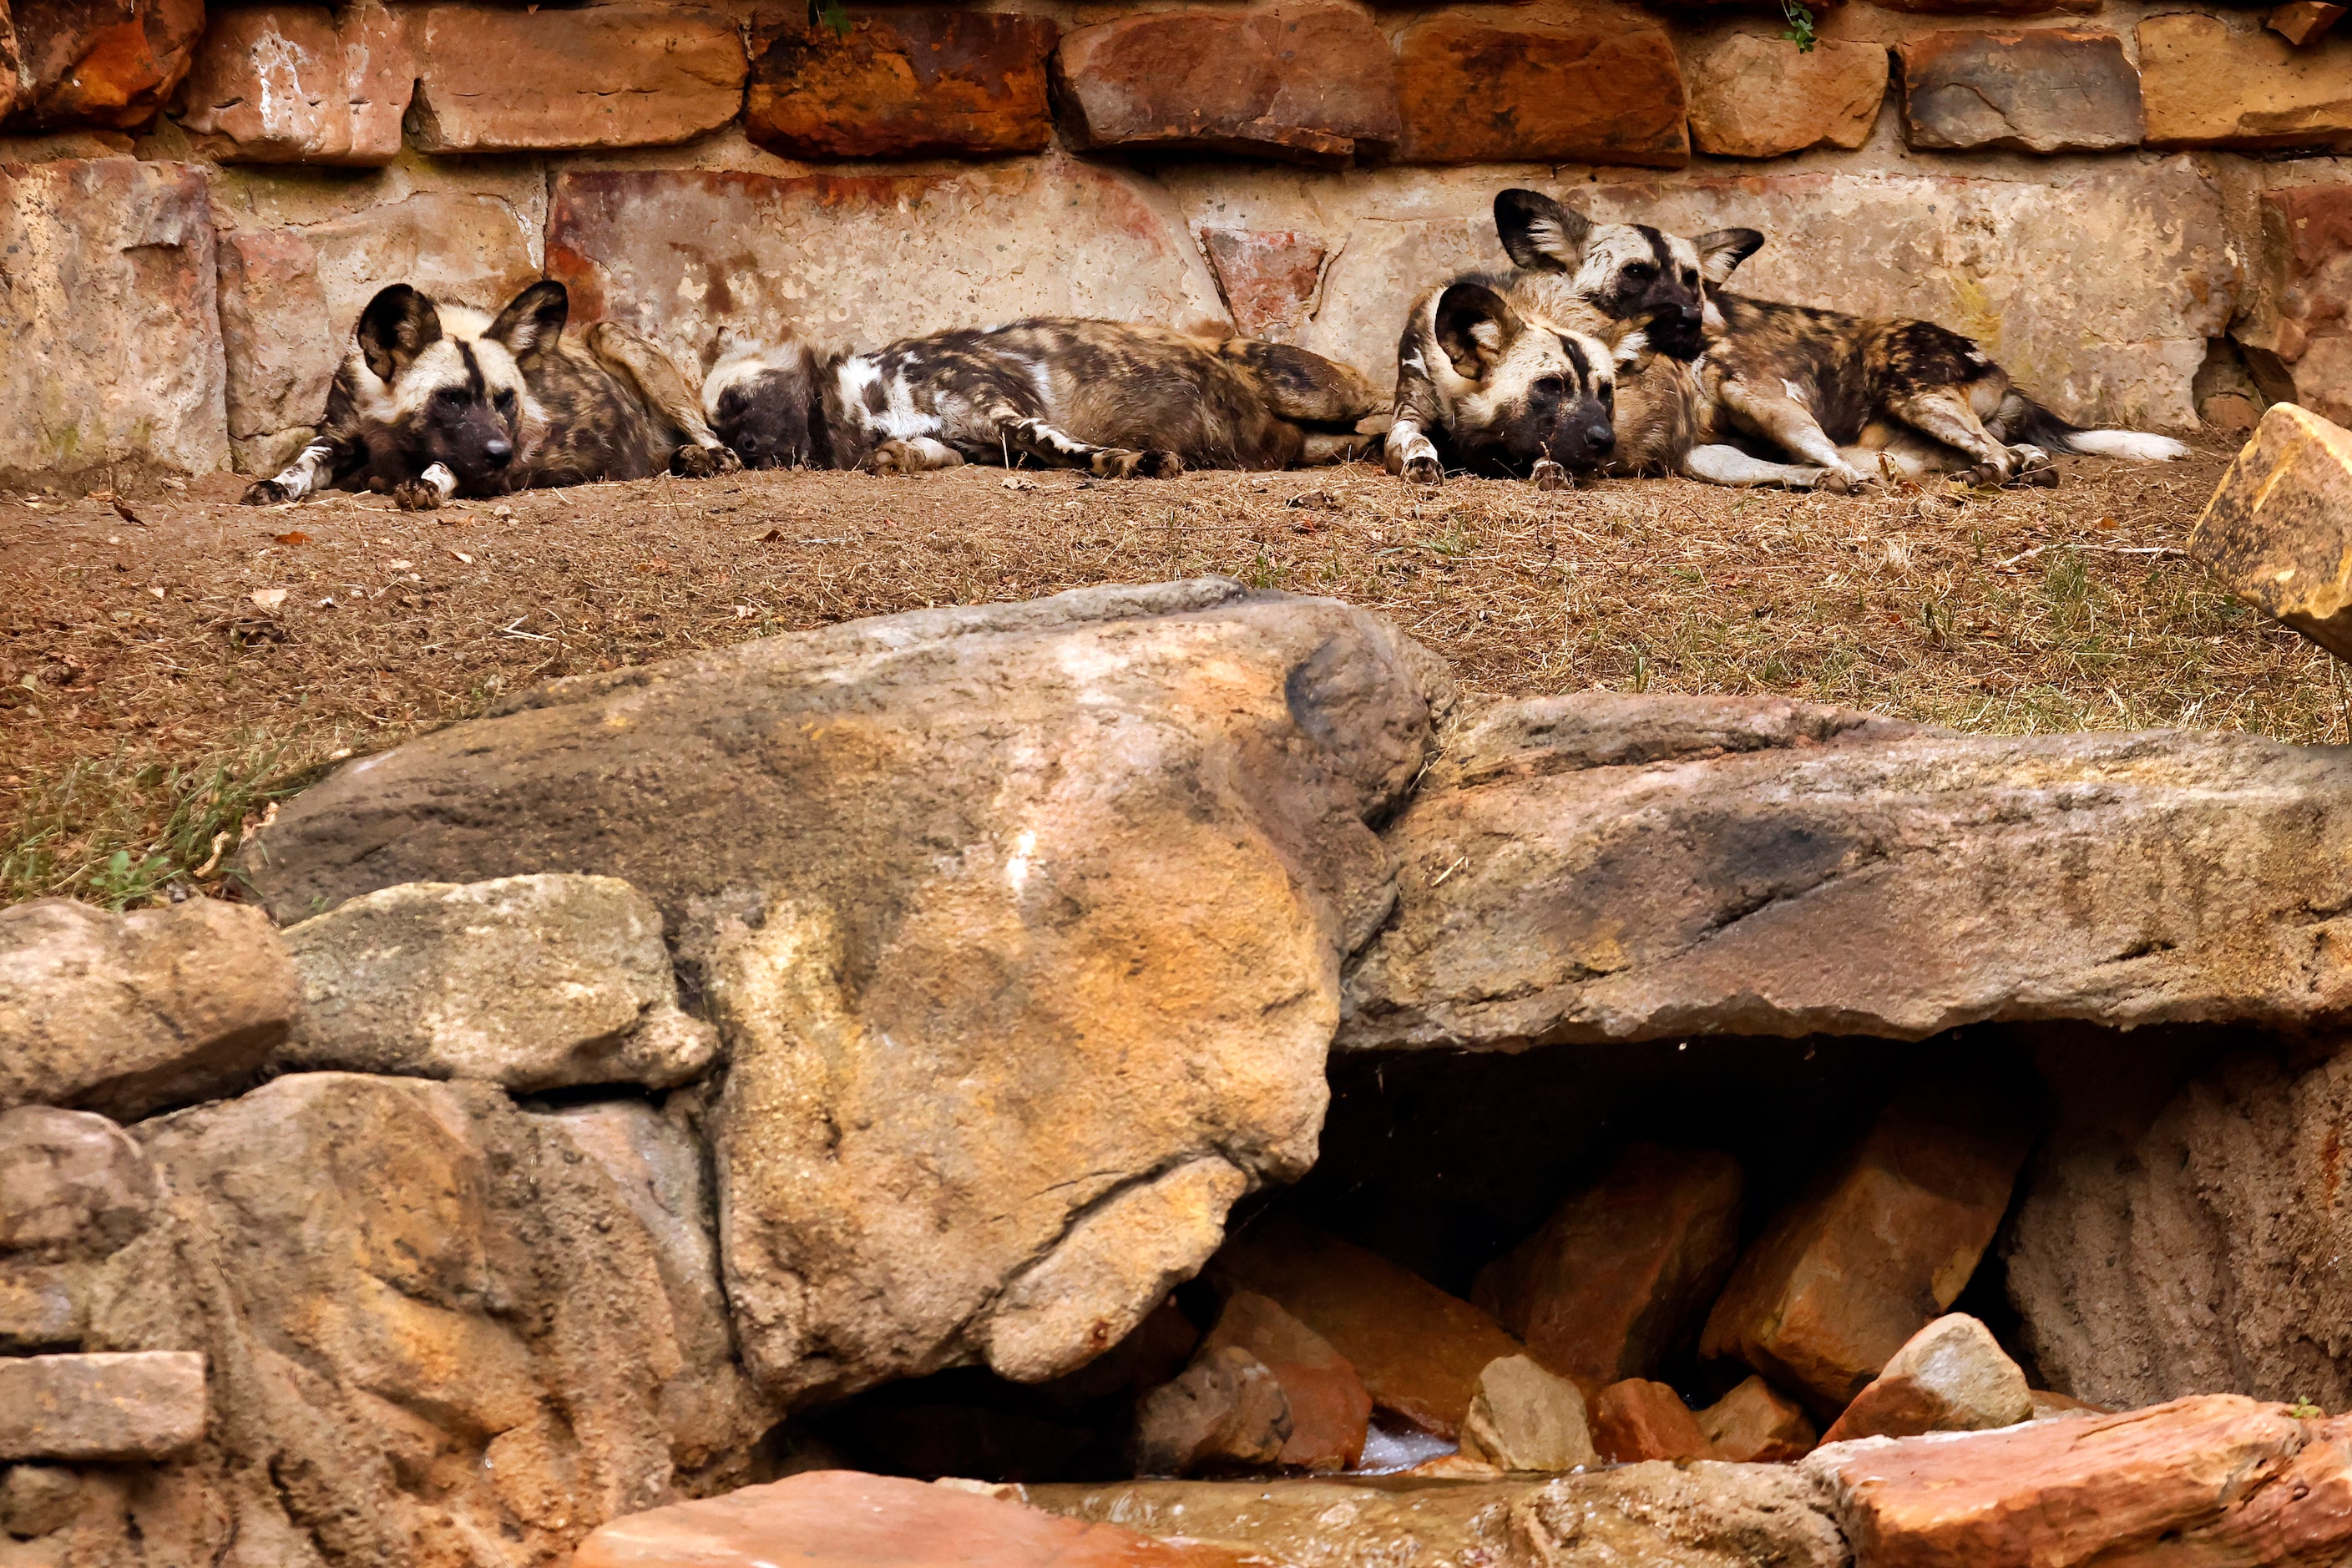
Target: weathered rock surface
point(2040, 89)
point(2293, 331)
point(38, 1499)
point(1098, 918)
point(1605, 89)
point(1621, 1273)
point(1419, 1351)
point(1328, 1408)
point(2300, 22)
point(840, 1519)
point(2173, 1251)
point(453, 1331)
point(910, 82)
point(1310, 84)
point(1268, 279)
point(291, 297)
point(143, 1405)
point(1640, 1419)
point(1758, 1423)
point(1758, 96)
point(1950, 1376)
point(2278, 531)
point(1632, 868)
point(109, 308)
point(128, 1014)
point(1227, 1411)
point(298, 84)
point(1702, 1515)
point(74, 1190)
point(624, 75)
point(1525, 1419)
point(687, 255)
point(10, 83)
point(1841, 1278)
point(2206, 84)
point(531, 983)
point(2217, 1479)
point(101, 62)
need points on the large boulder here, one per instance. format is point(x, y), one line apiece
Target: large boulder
point(128, 1014)
point(447, 1331)
point(1022, 926)
point(298, 84)
point(692, 256)
point(109, 302)
point(533, 983)
point(1602, 867)
point(101, 62)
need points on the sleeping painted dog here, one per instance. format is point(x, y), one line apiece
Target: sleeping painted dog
point(435, 401)
point(1118, 401)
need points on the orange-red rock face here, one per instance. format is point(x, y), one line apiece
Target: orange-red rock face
point(102, 62)
point(1605, 92)
point(904, 83)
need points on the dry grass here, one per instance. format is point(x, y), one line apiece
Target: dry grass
point(149, 705)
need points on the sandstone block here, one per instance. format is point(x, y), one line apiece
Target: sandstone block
point(626, 75)
point(126, 1013)
point(1640, 1419)
point(1419, 1351)
point(1600, 91)
point(113, 316)
point(1525, 1419)
point(289, 297)
point(143, 1406)
point(1758, 96)
point(840, 1519)
point(1328, 1406)
point(871, 258)
point(2040, 89)
point(43, 1306)
point(1950, 1376)
point(10, 81)
point(1843, 1277)
point(533, 983)
point(908, 82)
point(1993, 7)
point(1621, 1273)
point(72, 1185)
point(2301, 22)
point(1227, 1411)
point(2294, 333)
point(1306, 84)
point(1758, 1423)
point(2052, 889)
point(1268, 279)
point(2277, 530)
point(297, 84)
point(101, 62)
point(2206, 85)
point(1066, 1199)
point(2217, 1479)
point(35, 1500)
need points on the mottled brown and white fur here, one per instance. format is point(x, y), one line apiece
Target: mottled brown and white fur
point(434, 401)
point(1117, 400)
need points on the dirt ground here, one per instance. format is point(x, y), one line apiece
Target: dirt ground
point(164, 676)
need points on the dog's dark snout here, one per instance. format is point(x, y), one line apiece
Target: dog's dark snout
point(1600, 434)
point(498, 453)
point(1693, 315)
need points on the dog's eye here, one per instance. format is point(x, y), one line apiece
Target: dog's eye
point(506, 402)
point(1640, 270)
point(1690, 278)
point(1608, 396)
point(1549, 388)
point(451, 400)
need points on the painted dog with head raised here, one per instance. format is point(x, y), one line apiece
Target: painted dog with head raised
point(1116, 400)
point(435, 401)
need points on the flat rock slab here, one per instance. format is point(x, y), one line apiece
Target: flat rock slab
point(1603, 868)
point(2205, 84)
point(2278, 531)
point(2041, 89)
point(1023, 925)
point(911, 82)
point(1607, 90)
point(146, 1405)
point(297, 84)
point(1756, 96)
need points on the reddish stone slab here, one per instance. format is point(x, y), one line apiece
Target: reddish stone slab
point(903, 83)
point(298, 84)
point(102, 62)
point(1758, 1423)
point(1329, 1409)
point(1268, 278)
point(1606, 91)
point(543, 79)
point(1639, 1419)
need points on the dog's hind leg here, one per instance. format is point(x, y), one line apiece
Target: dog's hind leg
point(1949, 415)
point(1058, 448)
point(324, 460)
point(1720, 464)
point(913, 455)
point(659, 385)
point(1777, 416)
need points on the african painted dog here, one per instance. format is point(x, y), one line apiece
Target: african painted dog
point(1119, 401)
point(435, 401)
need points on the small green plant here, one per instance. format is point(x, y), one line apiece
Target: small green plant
point(122, 882)
point(832, 13)
point(1799, 30)
point(2305, 1410)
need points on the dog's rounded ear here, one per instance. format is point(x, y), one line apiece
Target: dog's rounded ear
point(532, 320)
point(1475, 327)
point(1540, 235)
point(1725, 249)
point(396, 326)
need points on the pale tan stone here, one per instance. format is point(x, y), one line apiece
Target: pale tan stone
point(2301, 22)
point(505, 80)
point(1753, 96)
point(1758, 1423)
point(1525, 1418)
point(140, 1405)
point(2207, 84)
point(2279, 528)
point(1950, 1376)
point(298, 84)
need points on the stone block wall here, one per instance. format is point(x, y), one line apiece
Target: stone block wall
point(2140, 209)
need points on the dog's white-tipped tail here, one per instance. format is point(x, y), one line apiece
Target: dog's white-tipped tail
point(2136, 445)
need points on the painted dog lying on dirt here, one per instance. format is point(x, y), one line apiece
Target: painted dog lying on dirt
point(435, 401)
point(1119, 401)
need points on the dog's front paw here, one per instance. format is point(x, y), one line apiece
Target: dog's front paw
point(265, 492)
point(1159, 465)
point(1423, 469)
point(1548, 476)
point(693, 462)
point(415, 495)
